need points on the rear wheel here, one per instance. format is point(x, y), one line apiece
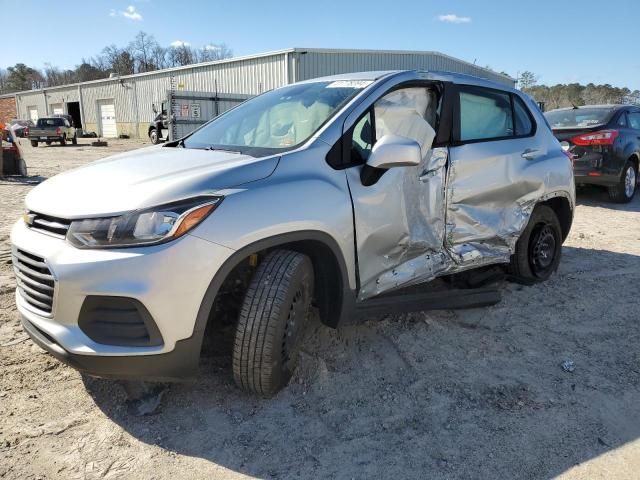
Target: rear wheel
point(271, 322)
point(74, 140)
point(538, 249)
point(63, 141)
point(48, 142)
point(624, 191)
point(34, 143)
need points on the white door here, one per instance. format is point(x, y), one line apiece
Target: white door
point(33, 114)
point(57, 109)
point(108, 119)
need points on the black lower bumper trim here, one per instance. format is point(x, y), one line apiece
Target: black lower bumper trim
point(177, 365)
point(603, 180)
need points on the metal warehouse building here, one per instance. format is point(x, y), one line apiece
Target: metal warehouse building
point(123, 105)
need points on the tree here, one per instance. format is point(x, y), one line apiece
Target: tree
point(20, 77)
point(142, 48)
point(527, 79)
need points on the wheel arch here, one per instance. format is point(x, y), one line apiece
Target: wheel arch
point(562, 208)
point(331, 291)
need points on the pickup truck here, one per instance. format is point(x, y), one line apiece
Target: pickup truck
point(53, 129)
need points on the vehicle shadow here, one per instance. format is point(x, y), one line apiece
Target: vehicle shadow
point(545, 380)
point(593, 196)
point(19, 180)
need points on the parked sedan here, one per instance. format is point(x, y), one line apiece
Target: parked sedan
point(604, 141)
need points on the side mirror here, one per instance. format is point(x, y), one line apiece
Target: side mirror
point(388, 152)
point(395, 151)
point(565, 146)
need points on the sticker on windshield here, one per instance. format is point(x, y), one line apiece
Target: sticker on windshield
point(350, 84)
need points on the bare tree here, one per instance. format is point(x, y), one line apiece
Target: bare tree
point(213, 51)
point(142, 48)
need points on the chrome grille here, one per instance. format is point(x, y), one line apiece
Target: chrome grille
point(50, 225)
point(35, 281)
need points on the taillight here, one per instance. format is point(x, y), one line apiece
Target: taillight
point(58, 131)
point(26, 132)
point(602, 137)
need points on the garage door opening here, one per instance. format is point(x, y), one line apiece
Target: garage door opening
point(73, 109)
point(56, 109)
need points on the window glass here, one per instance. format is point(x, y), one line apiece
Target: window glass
point(579, 117)
point(362, 140)
point(276, 121)
point(485, 115)
point(622, 120)
point(634, 120)
point(524, 125)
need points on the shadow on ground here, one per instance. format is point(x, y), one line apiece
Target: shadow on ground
point(475, 394)
point(594, 196)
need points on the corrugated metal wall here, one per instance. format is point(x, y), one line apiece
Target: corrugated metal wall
point(133, 95)
point(314, 64)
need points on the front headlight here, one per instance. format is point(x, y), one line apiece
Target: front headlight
point(142, 227)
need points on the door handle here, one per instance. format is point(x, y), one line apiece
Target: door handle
point(531, 153)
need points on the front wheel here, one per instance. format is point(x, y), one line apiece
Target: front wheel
point(154, 137)
point(538, 249)
point(272, 321)
point(34, 143)
point(624, 191)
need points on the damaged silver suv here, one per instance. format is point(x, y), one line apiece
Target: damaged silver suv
point(336, 194)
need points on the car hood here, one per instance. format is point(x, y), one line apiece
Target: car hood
point(144, 178)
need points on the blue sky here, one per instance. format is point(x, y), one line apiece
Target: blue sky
point(560, 41)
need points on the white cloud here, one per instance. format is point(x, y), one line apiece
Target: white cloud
point(112, 13)
point(132, 14)
point(179, 43)
point(211, 48)
point(453, 18)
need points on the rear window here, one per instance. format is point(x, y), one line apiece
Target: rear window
point(579, 117)
point(50, 122)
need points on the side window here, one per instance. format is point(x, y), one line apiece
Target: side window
point(634, 120)
point(622, 120)
point(524, 125)
point(485, 114)
point(362, 139)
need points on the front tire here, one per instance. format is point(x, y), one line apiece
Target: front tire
point(272, 321)
point(154, 137)
point(624, 191)
point(34, 143)
point(539, 248)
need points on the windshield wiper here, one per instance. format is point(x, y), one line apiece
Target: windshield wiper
point(217, 149)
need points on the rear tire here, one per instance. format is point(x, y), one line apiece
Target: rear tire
point(539, 248)
point(626, 188)
point(63, 141)
point(74, 140)
point(272, 321)
point(48, 142)
point(34, 143)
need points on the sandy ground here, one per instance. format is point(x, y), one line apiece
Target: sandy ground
point(469, 394)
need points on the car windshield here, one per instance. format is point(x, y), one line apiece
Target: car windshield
point(50, 122)
point(579, 117)
point(276, 121)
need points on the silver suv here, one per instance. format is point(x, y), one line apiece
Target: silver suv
point(336, 193)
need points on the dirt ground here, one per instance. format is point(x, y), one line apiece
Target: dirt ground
point(454, 394)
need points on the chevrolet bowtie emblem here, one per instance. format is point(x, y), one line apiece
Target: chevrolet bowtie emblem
point(29, 218)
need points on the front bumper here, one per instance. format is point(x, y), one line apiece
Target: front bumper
point(170, 280)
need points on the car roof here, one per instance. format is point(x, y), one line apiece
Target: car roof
point(435, 75)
